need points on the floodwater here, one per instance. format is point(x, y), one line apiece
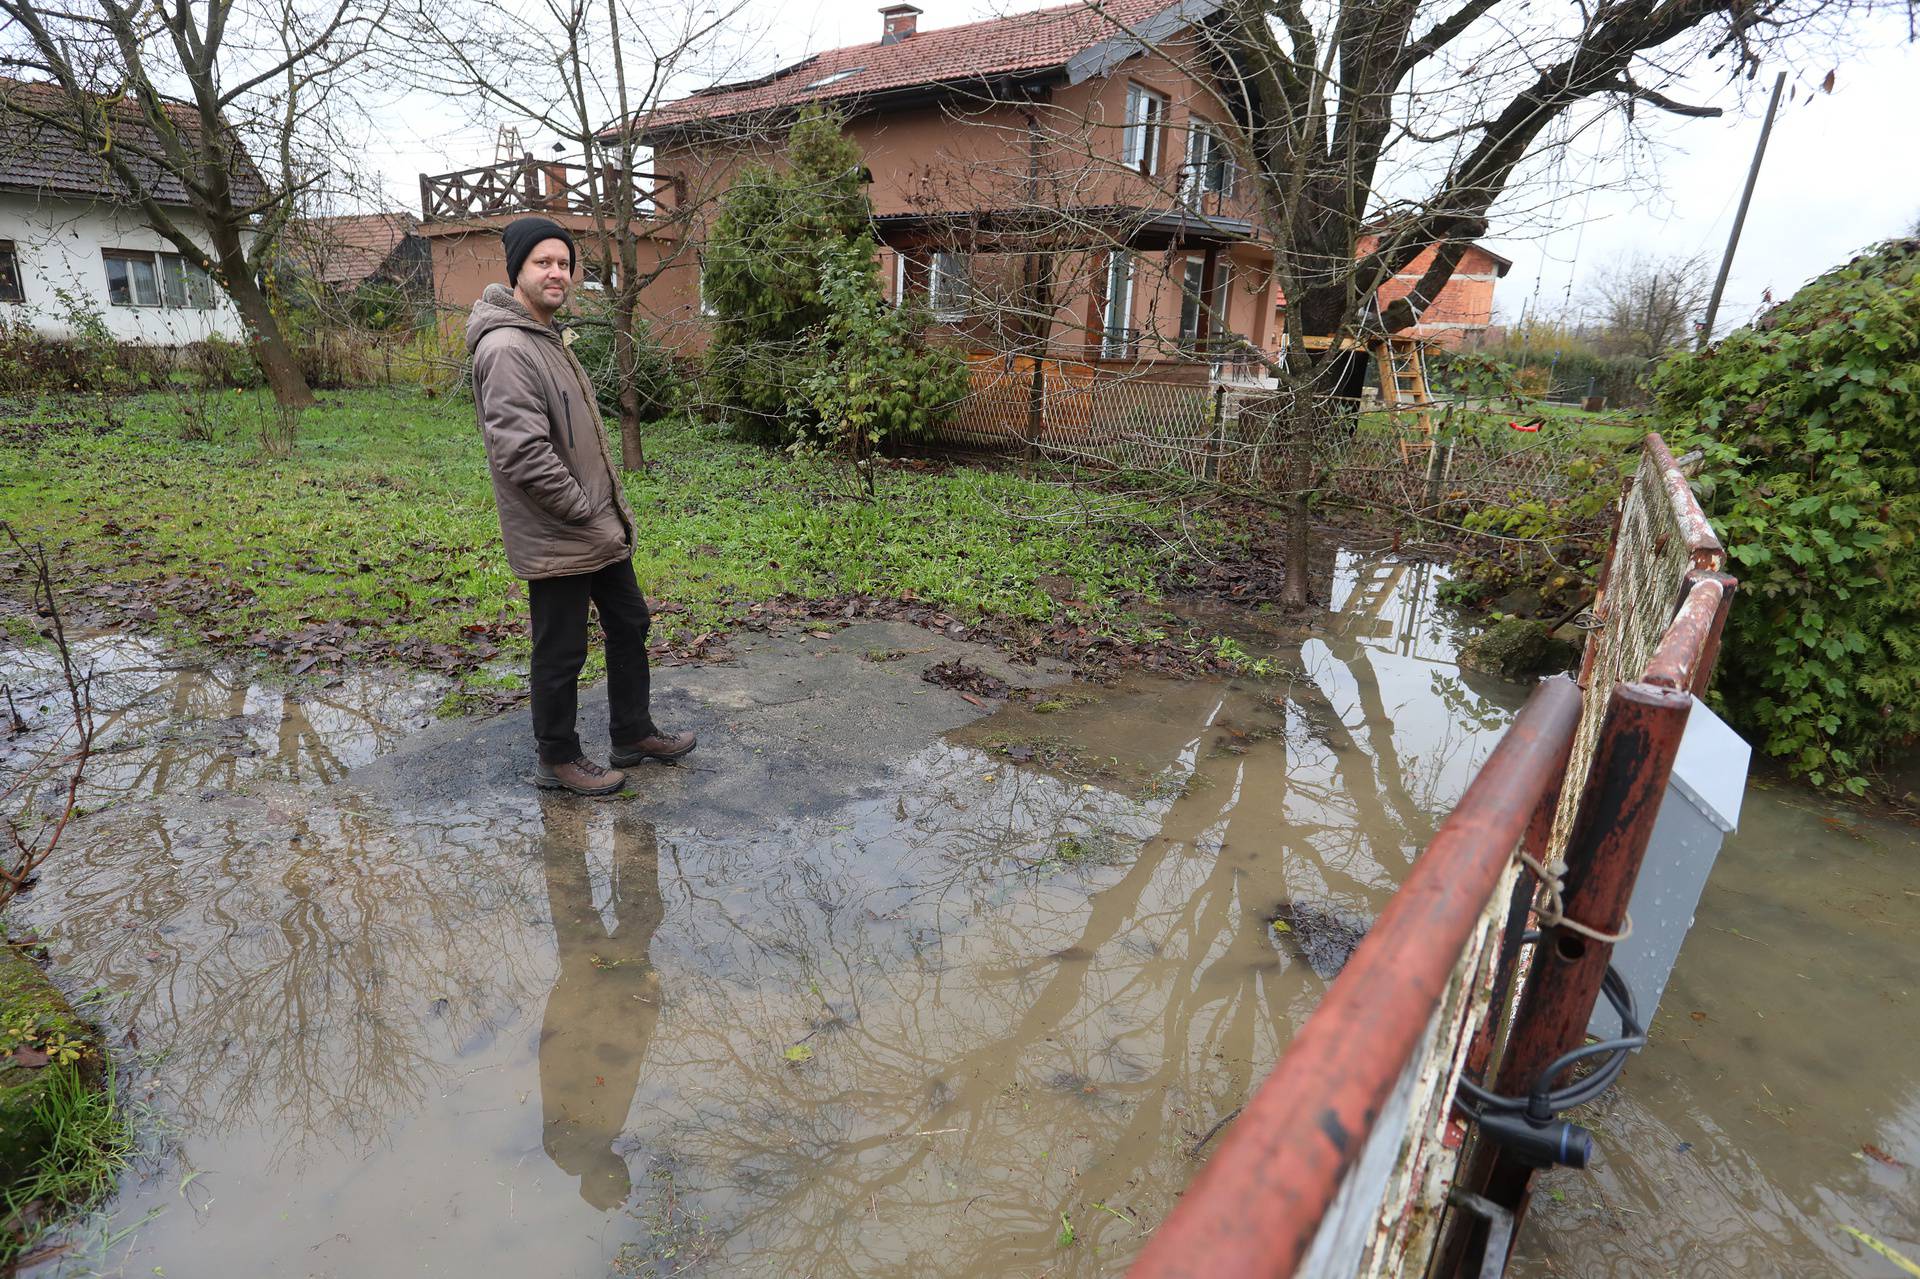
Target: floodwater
point(1777, 1105)
point(969, 1021)
point(164, 725)
point(969, 1018)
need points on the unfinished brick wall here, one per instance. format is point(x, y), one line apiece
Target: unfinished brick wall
point(1465, 305)
point(1464, 310)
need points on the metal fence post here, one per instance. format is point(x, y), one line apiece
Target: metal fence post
point(1217, 442)
point(1618, 806)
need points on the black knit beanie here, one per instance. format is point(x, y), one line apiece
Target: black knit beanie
point(523, 233)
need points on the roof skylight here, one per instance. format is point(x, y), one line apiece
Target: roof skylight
point(835, 78)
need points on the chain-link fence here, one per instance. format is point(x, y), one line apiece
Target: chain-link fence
point(1252, 437)
point(1661, 536)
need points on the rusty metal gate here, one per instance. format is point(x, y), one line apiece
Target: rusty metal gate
point(1350, 1159)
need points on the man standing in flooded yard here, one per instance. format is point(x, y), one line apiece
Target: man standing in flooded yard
point(568, 530)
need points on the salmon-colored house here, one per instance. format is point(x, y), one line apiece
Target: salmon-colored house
point(1055, 185)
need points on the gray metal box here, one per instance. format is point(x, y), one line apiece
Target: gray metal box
point(1700, 809)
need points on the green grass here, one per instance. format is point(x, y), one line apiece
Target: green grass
point(92, 1145)
point(383, 516)
point(1566, 424)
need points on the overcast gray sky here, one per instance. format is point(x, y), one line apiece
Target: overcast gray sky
point(1838, 176)
point(1839, 171)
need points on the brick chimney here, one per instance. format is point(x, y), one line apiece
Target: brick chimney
point(900, 23)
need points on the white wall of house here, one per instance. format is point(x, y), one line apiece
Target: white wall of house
point(61, 243)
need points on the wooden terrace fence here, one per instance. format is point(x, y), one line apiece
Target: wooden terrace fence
point(528, 185)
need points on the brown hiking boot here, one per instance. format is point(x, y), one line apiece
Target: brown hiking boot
point(582, 777)
point(665, 747)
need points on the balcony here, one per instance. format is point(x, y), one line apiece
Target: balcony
point(527, 185)
point(1208, 191)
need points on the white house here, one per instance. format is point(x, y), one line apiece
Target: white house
point(72, 245)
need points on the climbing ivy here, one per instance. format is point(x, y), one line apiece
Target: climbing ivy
point(1810, 421)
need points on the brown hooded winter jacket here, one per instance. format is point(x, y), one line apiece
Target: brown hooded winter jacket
point(561, 508)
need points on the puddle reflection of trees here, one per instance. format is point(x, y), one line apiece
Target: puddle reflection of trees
point(166, 727)
point(303, 972)
point(994, 1044)
point(995, 1032)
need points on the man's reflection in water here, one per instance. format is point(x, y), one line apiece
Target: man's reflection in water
point(602, 1011)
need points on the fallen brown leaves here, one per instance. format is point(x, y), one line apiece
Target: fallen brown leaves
point(211, 600)
point(965, 679)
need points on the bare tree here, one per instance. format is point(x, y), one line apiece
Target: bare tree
point(1375, 131)
point(1380, 138)
point(1646, 306)
point(57, 761)
point(579, 70)
point(180, 104)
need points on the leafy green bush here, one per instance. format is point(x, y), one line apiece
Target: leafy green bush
point(1563, 367)
point(762, 273)
point(1548, 545)
point(655, 377)
point(1811, 425)
point(805, 350)
point(870, 373)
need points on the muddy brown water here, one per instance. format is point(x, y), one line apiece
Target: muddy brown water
point(971, 1020)
point(1778, 1102)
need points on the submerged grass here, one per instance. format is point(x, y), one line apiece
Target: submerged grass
point(92, 1144)
point(383, 517)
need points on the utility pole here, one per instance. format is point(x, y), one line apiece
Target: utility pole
point(1740, 218)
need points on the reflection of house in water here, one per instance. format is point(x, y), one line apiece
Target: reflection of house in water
point(600, 1017)
point(162, 725)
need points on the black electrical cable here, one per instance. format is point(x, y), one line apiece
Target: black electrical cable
point(1544, 1102)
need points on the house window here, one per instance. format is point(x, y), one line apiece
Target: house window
point(948, 290)
point(591, 278)
point(1209, 169)
point(1193, 287)
point(1116, 339)
point(1196, 301)
point(706, 304)
point(10, 273)
point(1140, 141)
point(132, 279)
point(156, 279)
point(836, 77)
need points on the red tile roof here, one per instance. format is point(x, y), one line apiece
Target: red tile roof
point(349, 249)
point(41, 157)
point(1037, 41)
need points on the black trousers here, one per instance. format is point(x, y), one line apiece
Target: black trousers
point(559, 607)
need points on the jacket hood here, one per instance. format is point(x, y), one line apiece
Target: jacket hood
point(499, 309)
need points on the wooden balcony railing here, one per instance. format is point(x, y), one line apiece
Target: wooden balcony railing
point(528, 185)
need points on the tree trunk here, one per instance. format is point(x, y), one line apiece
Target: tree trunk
point(277, 361)
point(633, 456)
point(1299, 552)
